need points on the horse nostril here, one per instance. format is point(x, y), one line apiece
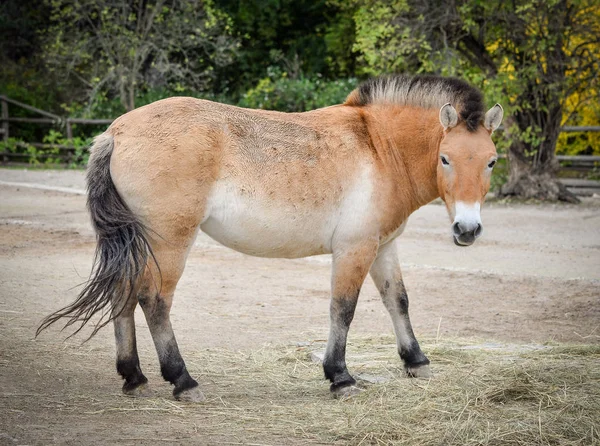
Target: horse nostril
point(478, 230)
point(457, 229)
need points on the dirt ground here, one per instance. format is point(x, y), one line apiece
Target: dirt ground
point(533, 278)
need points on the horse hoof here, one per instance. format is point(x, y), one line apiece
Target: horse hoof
point(191, 395)
point(421, 371)
point(143, 390)
point(343, 393)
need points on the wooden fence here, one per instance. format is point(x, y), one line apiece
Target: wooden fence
point(49, 118)
point(579, 163)
point(67, 151)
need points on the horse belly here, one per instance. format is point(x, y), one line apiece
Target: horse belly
point(259, 227)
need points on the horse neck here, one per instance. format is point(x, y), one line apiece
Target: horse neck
point(407, 140)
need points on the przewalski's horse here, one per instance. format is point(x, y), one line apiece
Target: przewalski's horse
point(341, 180)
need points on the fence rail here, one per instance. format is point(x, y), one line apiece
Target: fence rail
point(579, 159)
point(49, 118)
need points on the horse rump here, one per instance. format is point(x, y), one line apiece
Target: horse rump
point(122, 249)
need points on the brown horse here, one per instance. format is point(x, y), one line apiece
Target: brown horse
point(341, 180)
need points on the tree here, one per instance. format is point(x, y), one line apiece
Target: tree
point(536, 53)
point(285, 33)
point(22, 72)
point(122, 46)
point(552, 47)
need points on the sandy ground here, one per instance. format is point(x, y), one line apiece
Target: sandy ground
point(533, 278)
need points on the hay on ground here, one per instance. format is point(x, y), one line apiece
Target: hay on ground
point(478, 396)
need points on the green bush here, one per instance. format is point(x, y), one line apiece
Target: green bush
point(80, 154)
point(50, 156)
point(278, 92)
point(499, 176)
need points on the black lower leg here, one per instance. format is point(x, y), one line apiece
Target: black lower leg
point(173, 367)
point(336, 371)
point(131, 372)
point(408, 346)
point(412, 355)
point(128, 362)
point(387, 276)
point(334, 363)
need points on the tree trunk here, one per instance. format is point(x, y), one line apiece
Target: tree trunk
point(131, 102)
point(531, 155)
point(532, 171)
point(527, 184)
point(123, 96)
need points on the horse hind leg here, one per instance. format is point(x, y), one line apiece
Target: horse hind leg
point(128, 362)
point(156, 297)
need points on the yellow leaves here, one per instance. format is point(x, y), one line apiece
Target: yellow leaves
point(582, 114)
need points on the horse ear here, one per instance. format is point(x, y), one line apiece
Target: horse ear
point(493, 118)
point(448, 116)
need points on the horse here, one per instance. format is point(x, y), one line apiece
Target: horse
point(340, 180)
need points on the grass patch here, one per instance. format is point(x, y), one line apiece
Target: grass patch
point(478, 396)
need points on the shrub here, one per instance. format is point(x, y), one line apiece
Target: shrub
point(278, 92)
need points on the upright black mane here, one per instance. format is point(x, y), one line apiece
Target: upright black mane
point(423, 91)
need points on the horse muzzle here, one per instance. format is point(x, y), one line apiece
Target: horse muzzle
point(467, 226)
point(465, 237)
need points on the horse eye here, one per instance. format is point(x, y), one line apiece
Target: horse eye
point(444, 161)
point(492, 164)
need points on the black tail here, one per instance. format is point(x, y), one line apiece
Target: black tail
point(121, 253)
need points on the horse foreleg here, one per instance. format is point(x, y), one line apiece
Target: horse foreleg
point(128, 362)
point(350, 267)
point(387, 276)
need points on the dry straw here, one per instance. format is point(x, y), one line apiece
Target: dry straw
point(488, 395)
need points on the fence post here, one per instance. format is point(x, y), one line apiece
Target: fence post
point(4, 120)
point(69, 130)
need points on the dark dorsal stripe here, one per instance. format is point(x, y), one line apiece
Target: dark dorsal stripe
point(423, 91)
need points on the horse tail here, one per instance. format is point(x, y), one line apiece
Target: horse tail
point(122, 249)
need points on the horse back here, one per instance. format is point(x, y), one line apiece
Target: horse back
point(285, 156)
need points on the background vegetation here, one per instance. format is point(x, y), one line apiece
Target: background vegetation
point(101, 58)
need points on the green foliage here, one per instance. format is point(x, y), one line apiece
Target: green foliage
point(499, 175)
point(52, 154)
point(13, 145)
point(27, 86)
point(35, 156)
point(105, 107)
point(339, 38)
point(80, 146)
point(121, 48)
point(278, 92)
point(386, 46)
point(287, 33)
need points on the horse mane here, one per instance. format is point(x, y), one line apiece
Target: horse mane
point(425, 91)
